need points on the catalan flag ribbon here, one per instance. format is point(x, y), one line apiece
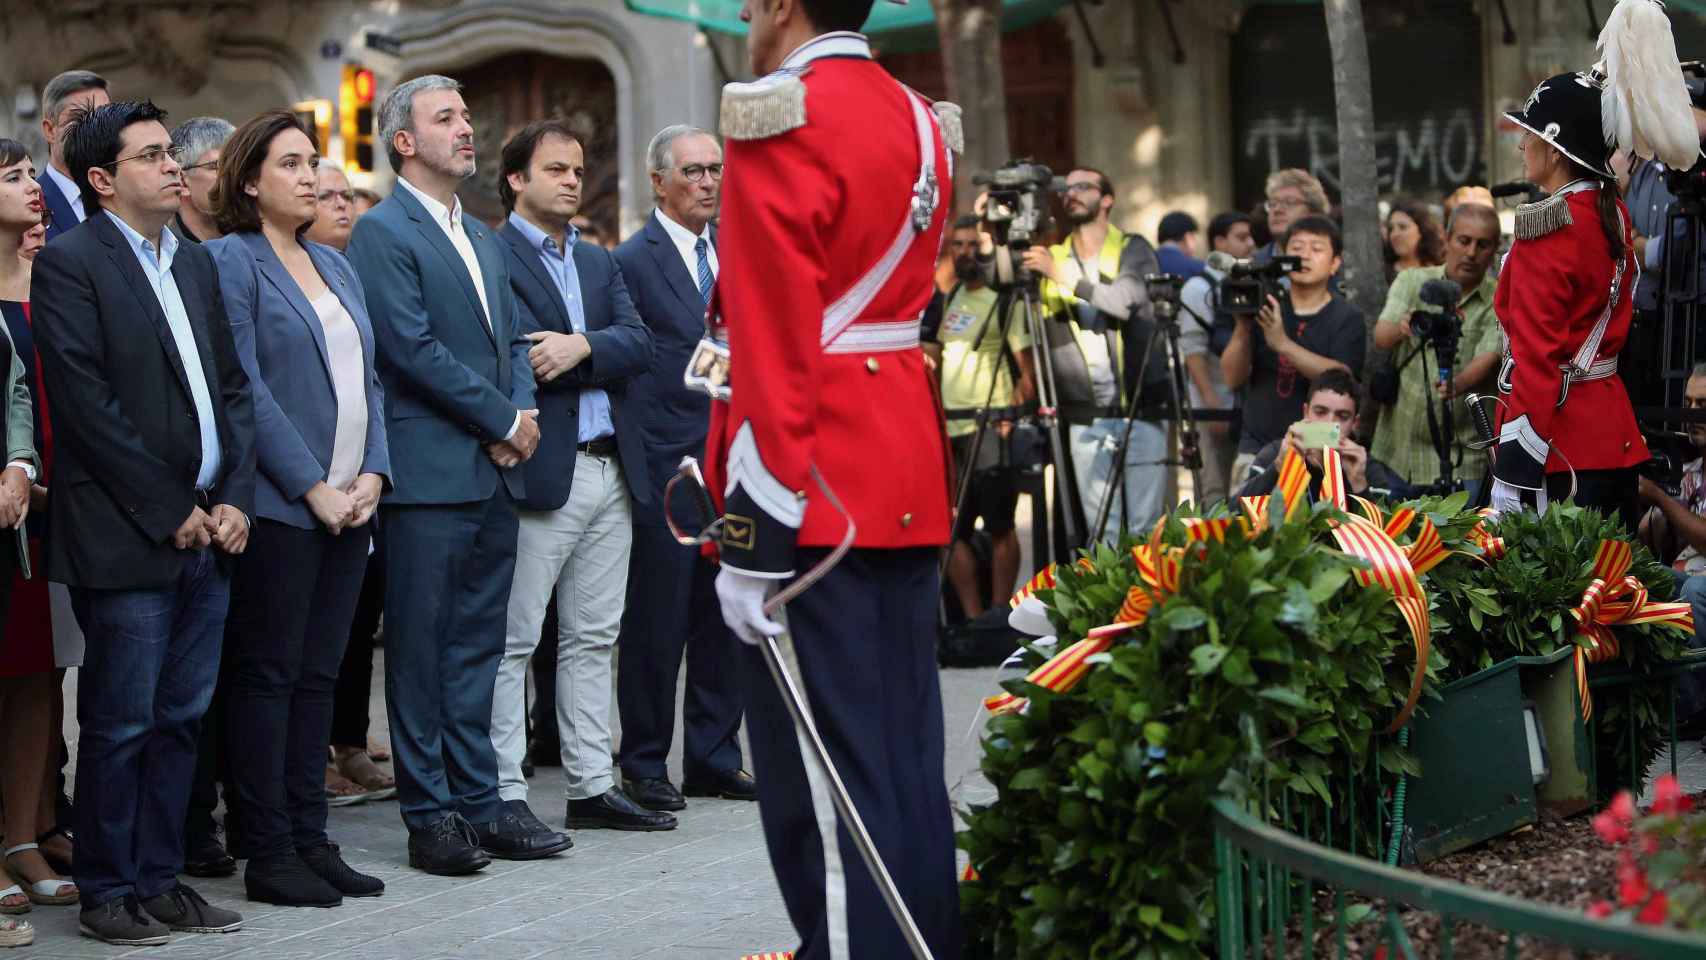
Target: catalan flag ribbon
point(1614, 598)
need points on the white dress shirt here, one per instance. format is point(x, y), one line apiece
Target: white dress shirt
point(685, 240)
point(349, 386)
point(72, 195)
point(449, 219)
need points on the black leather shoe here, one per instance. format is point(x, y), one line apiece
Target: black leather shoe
point(205, 856)
point(289, 882)
point(448, 848)
point(614, 811)
point(655, 794)
point(519, 835)
point(328, 863)
point(545, 754)
point(728, 784)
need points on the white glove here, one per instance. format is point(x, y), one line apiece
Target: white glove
point(1508, 499)
point(742, 598)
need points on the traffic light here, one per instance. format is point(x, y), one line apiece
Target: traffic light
point(355, 113)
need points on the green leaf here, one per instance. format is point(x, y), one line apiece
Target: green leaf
point(1206, 658)
point(1184, 617)
point(1328, 582)
point(1149, 914)
point(1358, 912)
point(1664, 867)
point(1155, 734)
point(1030, 778)
point(1288, 697)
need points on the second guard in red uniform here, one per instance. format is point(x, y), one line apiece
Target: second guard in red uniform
point(1566, 291)
point(832, 220)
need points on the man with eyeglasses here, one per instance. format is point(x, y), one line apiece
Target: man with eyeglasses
point(1092, 288)
point(151, 499)
point(199, 141)
point(1675, 528)
point(671, 266)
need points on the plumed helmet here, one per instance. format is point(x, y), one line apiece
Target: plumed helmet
point(1634, 99)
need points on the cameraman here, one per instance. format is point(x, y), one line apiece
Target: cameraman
point(1275, 354)
point(1092, 284)
point(1649, 200)
point(1202, 337)
point(1405, 439)
point(972, 350)
point(1672, 523)
point(1333, 398)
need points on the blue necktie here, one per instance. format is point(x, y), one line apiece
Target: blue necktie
point(705, 278)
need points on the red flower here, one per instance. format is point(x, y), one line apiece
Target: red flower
point(1623, 806)
point(1631, 883)
point(1380, 952)
point(1656, 910)
point(1600, 909)
point(1668, 797)
point(1609, 828)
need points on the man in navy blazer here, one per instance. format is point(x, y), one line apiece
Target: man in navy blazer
point(459, 418)
point(576, 520)
point(670, 266)
point(63, 95)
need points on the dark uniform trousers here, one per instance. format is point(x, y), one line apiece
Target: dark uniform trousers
point(863, 641)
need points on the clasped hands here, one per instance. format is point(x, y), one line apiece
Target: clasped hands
point(552, 355)
point(226, 528)
point(340, 510)
point(14, 498)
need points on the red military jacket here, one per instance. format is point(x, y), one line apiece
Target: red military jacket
point(1552, 291)
point(818, 244)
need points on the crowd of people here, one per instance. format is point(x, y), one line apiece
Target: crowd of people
point(260, 422)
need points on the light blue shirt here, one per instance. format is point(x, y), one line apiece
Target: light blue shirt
point(559, 265)
point(159, 274)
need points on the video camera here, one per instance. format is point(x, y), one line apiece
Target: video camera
point(1016, 213)
point(1441, 326)
point(1690, 184)
point(1248, 285)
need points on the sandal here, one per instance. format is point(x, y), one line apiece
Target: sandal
point(13, 900)
point(52, 892)
point(342, 792)
point(377, 750)
point(359, 767)
point(61, 865)
point(16, 933)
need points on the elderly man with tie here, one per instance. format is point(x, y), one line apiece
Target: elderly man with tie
point(671, 266)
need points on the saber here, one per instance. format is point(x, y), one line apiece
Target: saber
point(688, 472)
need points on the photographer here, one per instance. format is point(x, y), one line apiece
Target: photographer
point(1333, 401)
point(1649, 198)
point(1092, 284)
point(1292, 341)
point(1675, 529)
point(973, 349)
point(1203, 334)
point(1405, 438)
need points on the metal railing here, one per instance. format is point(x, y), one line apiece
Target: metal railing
point(1270, 881)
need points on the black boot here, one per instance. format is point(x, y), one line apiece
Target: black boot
point(286, 880)
point(326, 861)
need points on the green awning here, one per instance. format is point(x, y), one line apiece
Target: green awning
point(723, 16)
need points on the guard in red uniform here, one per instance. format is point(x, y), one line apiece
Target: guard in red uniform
point(1566, 291)
point(832, 220)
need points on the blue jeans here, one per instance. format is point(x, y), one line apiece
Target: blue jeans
point(1691, 687)
point(146, 680)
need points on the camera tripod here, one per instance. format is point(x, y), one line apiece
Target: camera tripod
point(1444, 440)
point(1164, 294)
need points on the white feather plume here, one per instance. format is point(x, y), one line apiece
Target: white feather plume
point(1645, 105)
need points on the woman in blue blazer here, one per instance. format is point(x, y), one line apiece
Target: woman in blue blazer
point(300, 324)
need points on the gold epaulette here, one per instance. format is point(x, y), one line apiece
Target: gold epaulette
point(1541, 217)
point(953, 128)
point(766, 107)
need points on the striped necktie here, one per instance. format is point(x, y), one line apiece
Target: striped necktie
point(705, 277)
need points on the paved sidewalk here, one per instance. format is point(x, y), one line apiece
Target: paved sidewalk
point(701, 892)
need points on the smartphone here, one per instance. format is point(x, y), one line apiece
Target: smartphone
point(1316, 435)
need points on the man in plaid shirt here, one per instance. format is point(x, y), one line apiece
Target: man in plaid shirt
point(1403, 440)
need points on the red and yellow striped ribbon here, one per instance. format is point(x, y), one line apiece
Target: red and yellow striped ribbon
point(1045, 580)
point(1492, 548)
point(780, 955)
point(1614, 598)
point(1389, 566)
point(1426, 551)
point(1291, 487)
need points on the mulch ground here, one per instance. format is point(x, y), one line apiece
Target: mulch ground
point(1561, 862)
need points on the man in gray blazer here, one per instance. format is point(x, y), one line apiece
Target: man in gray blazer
point(460, 416)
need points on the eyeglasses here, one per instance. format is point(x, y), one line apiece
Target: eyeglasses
point(153, 155)
point(1291, 203)
point(327, 196)
point(204, 165)
point(695, 172)
point(1083, 187)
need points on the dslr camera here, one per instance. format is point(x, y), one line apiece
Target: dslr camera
point(1248, 285)
point(1016, 213)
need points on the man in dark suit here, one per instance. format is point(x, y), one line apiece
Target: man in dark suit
point(152, 493)
point(459, 417)
point(576, 519)
point(670, 266)
point(71, 90)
